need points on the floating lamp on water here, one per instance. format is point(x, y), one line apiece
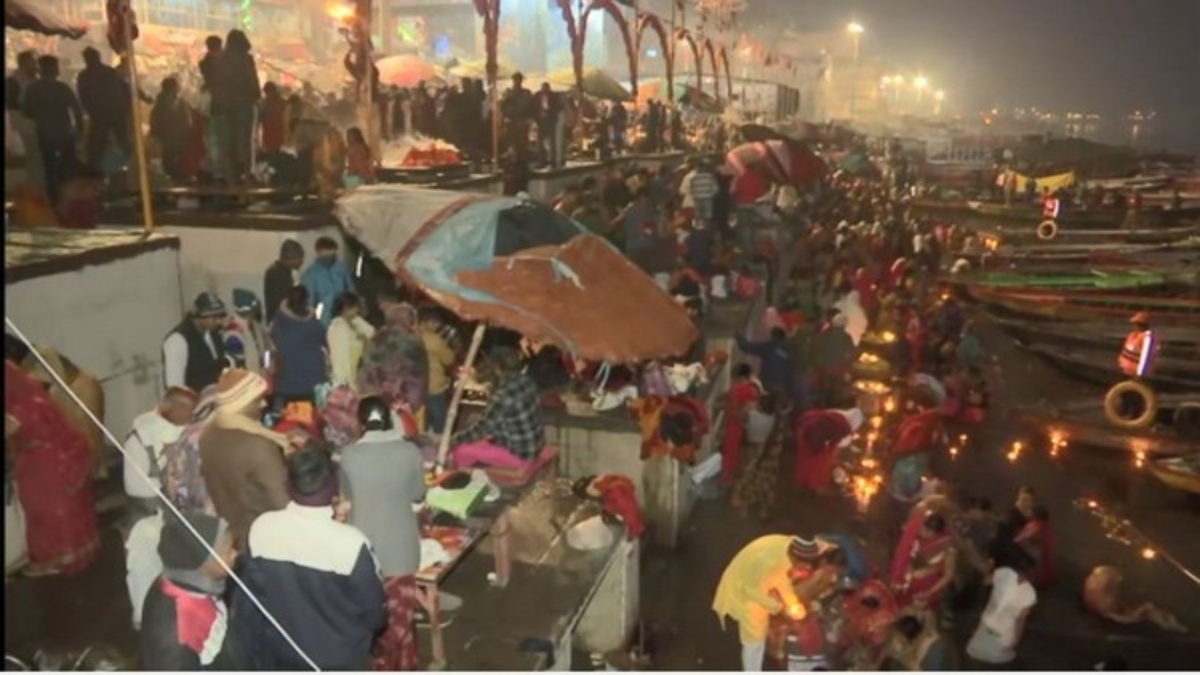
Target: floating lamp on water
point(1148, 553)
point(953, 452)
point(1015, 453)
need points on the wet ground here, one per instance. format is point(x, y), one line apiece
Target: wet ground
point(72, 613)
point(678, 586)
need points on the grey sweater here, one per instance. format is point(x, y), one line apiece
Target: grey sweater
point(382, 477)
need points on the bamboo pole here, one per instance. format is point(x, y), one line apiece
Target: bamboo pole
point(456, 399)
point(139, 145)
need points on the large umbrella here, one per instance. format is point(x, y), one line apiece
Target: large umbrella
point(760, 164)
point(405, 70)
point(596, 83)
point(38, 17)
point(476, 69)
point(519, 265)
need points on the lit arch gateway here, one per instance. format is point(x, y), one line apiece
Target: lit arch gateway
point(716, 73)
point(655, 24)
point(614, 11)
point(682, 35)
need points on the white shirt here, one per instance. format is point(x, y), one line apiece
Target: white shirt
point(344, 353)
point(175, 357)
point(1010, 598)
point(144, 450)
point(142, 564)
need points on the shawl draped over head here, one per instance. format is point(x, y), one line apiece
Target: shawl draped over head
point(917, 433)
point(394, 363)
point(818, 435)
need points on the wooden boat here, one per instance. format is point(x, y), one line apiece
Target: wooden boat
point(1174, 341)
point(1144, 235)
point(1087, 280)
point(1072, 306)
point(1105, 253)
point(1175, 432)
point(1181, 473)
point(1099, 365)
point(1111, 217)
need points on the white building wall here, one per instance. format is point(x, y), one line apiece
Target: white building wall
point(110, 319)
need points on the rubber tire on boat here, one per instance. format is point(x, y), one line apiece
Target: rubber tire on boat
point(1112, 405)
point(1047, 230)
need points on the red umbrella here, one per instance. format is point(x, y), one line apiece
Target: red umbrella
point(36, 17)
point(405, 70)
point(758, 165)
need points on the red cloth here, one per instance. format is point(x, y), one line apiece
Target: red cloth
point(274, 111)
point(866, 289)
point(748, 187)
point(865, 624)
point(1041, 539)
point(395, 648)
point(53, 476)
point(194, 150)
point(818, 433)
point(917, 433)
point(741, 396)
point(194, 615)
point(81, 213)
point(619, 498)
point(911, 572)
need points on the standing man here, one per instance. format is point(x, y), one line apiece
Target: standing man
point(326, 279)
point(105, 98)
point(314, 574)
point(16, 87)
point(212, 132)
point(280, 277)
point(548, 111)
point(152, 432)
point(757, 584)
point(58, 118)
point(194, 352)
point(517, 106)
point(1140, 348)
point(619, 119)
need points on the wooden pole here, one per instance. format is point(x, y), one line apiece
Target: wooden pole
point(139, 145)
point(366, 59)
point(456, 399)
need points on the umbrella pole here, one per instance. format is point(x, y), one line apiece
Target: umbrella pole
point(456, 399)
point(139, 145)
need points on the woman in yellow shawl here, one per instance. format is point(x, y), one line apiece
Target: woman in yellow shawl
point(85, 386)
point(757, 584)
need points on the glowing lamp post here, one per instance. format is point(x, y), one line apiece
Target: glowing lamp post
point(855, 29)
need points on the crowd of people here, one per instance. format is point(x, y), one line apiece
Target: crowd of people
point(291, 441)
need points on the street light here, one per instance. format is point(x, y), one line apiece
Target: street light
point(855, 29)
point(921, 82)
point(938, 97)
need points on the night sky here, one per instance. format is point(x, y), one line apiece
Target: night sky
point(1106, 56)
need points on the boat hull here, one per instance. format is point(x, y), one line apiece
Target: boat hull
point(1068, 306)
point(1182, 342)
point(1100, 367)
point(1176, 473)
point(1082, 423)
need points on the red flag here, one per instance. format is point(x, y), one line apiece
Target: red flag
point(119, 11)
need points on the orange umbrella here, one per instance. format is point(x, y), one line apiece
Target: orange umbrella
point(405, 70)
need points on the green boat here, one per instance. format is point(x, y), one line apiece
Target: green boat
point(1097, 280)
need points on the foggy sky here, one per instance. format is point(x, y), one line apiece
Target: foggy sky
point(1106, 56)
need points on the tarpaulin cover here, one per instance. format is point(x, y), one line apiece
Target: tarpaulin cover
point(519, 265)
point(1051, 183)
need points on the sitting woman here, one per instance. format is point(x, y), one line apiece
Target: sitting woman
point(510, 434)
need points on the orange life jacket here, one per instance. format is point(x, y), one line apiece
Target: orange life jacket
point(1050, 208)
point(1138, 353)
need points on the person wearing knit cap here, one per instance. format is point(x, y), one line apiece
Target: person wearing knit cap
point(241, 460)
point(315, 575)
point(280, 277)
point(194, 352)
point(756, 585)
point(183, 616)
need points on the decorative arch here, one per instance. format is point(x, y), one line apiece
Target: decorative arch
point(568, 15)
point(682, 35)
point(724, 57)
point(712, 62)
point(613, 10)
point(655, 24)
point(489, 11)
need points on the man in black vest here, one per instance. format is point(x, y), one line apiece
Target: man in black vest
point(194, 353)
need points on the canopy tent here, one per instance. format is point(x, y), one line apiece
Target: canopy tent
point(476, 69)
point(35, 16)
point(519, 265)
point(596, 83)
point(406, 70)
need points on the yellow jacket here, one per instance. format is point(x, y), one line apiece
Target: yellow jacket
point(745, 591)
point(441, 358)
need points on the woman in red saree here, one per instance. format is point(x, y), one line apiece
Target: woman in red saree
point(742, 396)
point(918, 433)
point(54, 479)
point(924, 563)
point(1037, 539)
point(819, 435)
